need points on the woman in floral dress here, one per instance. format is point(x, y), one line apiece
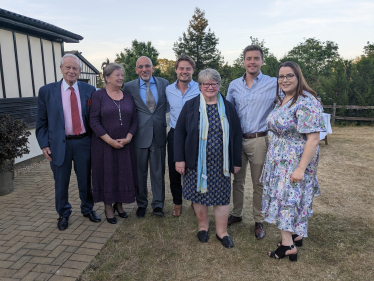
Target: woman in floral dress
point(290, 171)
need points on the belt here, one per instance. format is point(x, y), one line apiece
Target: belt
point(255, 135)
point(76, 137)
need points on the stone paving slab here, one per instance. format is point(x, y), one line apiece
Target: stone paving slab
point(31, 246)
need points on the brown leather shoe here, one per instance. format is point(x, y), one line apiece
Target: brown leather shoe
point(177, 210)
point(232, 219)
point(259, 230)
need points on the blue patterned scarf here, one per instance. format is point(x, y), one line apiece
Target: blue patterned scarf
point(202, 176)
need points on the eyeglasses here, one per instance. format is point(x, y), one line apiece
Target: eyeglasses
point(141, 66)
point(289, 76)
point(207, 85)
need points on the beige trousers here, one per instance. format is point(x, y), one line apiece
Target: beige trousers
point(254, 152)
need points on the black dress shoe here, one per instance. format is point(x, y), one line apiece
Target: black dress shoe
point(140, 212)
point(111, 220)
point(226, 241)
point(232, 219)
point(63, 223)
point(93, 216)
point(123, 215)
point(158, 212)
point(203, 236)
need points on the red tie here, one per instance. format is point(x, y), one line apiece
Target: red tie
point(75, 112)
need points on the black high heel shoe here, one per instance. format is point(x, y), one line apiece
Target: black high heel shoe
point(281, 253)
point(123, 215)
point(298, 243)
point(111, 220)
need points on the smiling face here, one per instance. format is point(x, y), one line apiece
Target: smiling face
point(209, 92)
point(287, 83)
point(116, 78)
point(70, 70)
point(253, 62)
point(144, 68)
point(184, 71)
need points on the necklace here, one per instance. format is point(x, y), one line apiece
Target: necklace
point(119, 110)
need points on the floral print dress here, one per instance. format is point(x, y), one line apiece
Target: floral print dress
point(287, 204)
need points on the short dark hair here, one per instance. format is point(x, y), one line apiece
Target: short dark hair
point(185, 58)
point(253, 48)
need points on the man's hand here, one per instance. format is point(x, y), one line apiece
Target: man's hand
point(46, 153)
point(236, 169)
point(179, 167)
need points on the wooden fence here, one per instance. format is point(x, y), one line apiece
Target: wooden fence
point(334, 117)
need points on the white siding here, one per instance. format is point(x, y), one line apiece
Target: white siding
point(37, 63)
point(9, 64)
point(33, 146)
point(48, 61)
point(58, 57)
point(24, 65)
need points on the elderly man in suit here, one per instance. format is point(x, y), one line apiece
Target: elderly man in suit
point(63, 134)
point(150, 140)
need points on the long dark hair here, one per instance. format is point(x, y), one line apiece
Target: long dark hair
point(301, 86)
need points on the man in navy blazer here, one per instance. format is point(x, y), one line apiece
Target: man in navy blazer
point(63, 134)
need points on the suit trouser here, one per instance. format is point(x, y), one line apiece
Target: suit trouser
point(253, 151)
point(155, 155)
point(78, 151)
point(174, 176)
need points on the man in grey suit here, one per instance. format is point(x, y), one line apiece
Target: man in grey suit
point(150, 140)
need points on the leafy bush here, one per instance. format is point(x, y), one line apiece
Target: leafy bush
point(13, 138)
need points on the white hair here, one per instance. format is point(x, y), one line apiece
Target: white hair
point(72, 56)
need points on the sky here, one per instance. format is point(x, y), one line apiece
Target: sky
point(110, 26)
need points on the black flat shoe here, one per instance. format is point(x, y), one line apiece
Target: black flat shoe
point(298, 243)
point(281, 253)
point(226, 241)
point(93, 216)
point(63, 223)
point(123, 215)
point(111, 220)
point(203, 236)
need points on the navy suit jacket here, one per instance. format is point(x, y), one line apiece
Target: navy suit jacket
point(186, 134)
point(50, 122)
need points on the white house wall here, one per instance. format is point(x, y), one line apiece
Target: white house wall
point(48, 62)
point(37, 63)
point(57, 48)
point(24, 65)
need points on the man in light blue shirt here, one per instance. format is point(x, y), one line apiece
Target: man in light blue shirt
point(253, 96)
point(177, 94)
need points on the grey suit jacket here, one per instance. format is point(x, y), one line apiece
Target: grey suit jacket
point(150, 124)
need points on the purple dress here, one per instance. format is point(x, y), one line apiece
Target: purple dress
point(114, 175)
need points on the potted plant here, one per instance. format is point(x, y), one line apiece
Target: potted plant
point(13, 143)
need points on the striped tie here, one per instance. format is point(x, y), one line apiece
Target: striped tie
point(151, 102)
point(76, 120)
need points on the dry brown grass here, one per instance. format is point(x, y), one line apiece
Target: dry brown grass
point(339, 247)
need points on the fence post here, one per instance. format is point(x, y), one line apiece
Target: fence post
point(333, 113)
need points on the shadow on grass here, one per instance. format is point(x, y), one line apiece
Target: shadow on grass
point(167, 248)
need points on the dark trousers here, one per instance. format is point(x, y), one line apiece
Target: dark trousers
point(174, 176)
point(78, 151)
point(155, 157)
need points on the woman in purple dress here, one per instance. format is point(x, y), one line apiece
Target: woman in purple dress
point(114, 122)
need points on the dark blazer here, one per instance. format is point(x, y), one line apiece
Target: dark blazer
point(50, 122)
point(186, 134)
point(149, 123)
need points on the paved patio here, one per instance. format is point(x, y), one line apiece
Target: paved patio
point(31, 246)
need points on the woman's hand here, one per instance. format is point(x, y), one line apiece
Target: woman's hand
point(123, 142)
point(297, 175)
point(236, 169)
point(115, 144)
point(179, 166)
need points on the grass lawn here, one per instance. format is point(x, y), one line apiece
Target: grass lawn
point(340, 245)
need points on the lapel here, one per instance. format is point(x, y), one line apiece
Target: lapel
point(138, 97)
point(57, 94)
point(196, 116)
point(159, 93)
point(82, 96)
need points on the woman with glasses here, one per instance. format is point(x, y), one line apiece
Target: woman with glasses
point(289, 173)
point(114, 122)
point(207, 148)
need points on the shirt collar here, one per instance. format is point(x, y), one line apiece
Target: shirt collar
point(189, 84)
point(66, 85)
point(258, 78)
point(142, 82)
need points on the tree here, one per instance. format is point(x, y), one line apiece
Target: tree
point(167, 69)
point(369, 49)
point(100, 81)
point(129, 57)
point(199, 43)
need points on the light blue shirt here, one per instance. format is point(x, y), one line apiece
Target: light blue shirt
point(143, 89)
point(255, 104)
point(176, 100)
